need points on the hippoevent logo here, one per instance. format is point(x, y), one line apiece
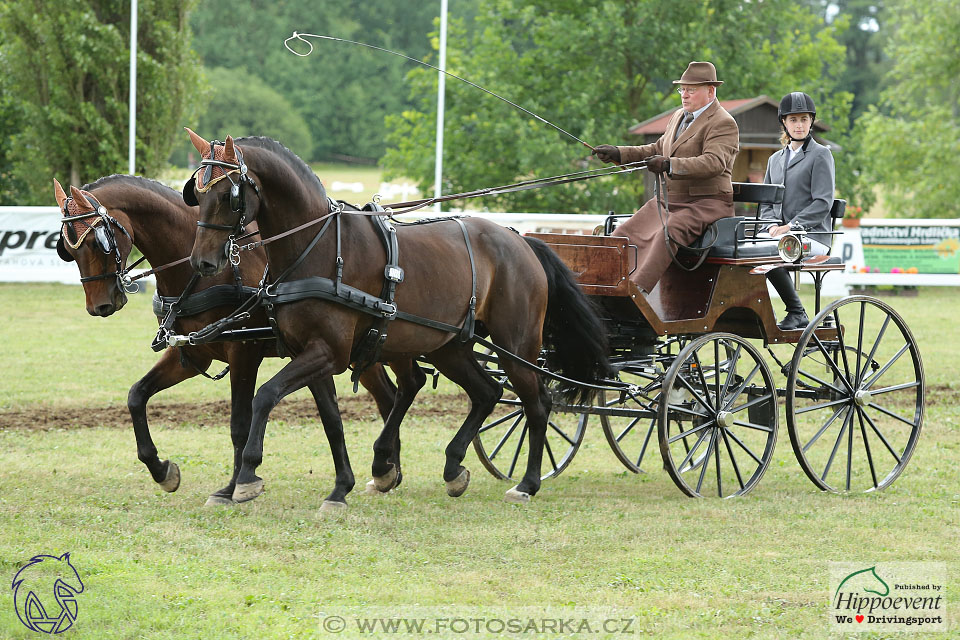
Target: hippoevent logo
point(45, 594)
point(894, 597)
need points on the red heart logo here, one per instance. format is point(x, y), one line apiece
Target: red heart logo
point(859, 618)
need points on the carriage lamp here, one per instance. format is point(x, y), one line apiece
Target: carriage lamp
point(790, 248)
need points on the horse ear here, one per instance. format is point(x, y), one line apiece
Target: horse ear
point(58, 192)
point(229, 152)
point(202, 145)
point(76, 195)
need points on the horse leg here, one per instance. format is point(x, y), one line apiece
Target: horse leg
point(244, 362)
point(458, 363)
point(315, 361)
point(325, 393)
point(166, 373)
point(536, 407)
point(386, 448)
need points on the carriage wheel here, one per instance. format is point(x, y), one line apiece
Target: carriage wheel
point(502, 442)
point(718, 417)
point(855, 399)
point(630, 435)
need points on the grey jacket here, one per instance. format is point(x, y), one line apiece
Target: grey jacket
point(809, 189)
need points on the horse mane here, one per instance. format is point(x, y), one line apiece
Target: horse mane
point(302, 169)
point(133, 181)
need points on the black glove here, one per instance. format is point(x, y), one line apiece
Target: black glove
point(607, 153)
point(658, 164)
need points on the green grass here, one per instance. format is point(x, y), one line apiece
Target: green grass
point(159, 565)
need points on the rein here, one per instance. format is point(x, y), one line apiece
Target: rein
point(105, 237)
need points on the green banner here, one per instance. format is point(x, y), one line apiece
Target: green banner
point(911, 249)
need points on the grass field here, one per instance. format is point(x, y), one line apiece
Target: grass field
point(597, 539)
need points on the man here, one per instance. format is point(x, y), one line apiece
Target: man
point(696, 152)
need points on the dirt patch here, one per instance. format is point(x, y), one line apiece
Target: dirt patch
point(213, 414)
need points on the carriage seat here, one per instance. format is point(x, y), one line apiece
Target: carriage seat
point(726, 237)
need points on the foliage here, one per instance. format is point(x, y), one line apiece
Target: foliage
point(617, 60)
point(913, 138)
point(342, 91)
point(67, 65)
point(242, 104)
point(12, 188)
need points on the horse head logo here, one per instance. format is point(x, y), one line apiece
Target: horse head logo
point(865, 580)
point(51, 580)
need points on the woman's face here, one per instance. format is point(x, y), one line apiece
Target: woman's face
point(798, 124)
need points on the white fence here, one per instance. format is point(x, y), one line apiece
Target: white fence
point(28, 237)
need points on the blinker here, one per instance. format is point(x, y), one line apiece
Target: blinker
point(103, 239)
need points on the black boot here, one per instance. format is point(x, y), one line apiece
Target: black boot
point(796, 318)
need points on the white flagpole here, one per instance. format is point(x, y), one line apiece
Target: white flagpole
point(441, 86)
point(132, 149)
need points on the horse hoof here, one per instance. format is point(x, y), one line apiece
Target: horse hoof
point(371, 489)
point(248, 491)
point(458, 485)
point(329, 507)
point(172, 480)
point(218, 501)
point(517, 497)
point(387, 481)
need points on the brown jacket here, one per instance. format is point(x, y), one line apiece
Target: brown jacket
point(701, 159)
point(699, 189)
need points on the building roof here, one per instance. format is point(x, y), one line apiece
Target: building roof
point(657, 125)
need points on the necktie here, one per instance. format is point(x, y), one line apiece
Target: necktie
point(687, 119)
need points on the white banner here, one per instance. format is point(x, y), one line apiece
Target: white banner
point(28, 246)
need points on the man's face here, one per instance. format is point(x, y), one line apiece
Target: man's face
point(696, 96)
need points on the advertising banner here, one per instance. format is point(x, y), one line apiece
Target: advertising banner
point(911, 249)
point(28, 246)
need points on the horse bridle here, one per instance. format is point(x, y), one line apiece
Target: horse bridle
point(238, 201)
point(104, 235)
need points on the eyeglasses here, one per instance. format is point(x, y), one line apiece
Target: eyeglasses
point(687, 90)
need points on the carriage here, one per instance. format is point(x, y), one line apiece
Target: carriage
point(690, 356)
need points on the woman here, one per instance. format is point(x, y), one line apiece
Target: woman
point(805, 167)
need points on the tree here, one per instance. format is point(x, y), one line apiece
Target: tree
point(595, 67)
point(66, 65)
point(342, 91)
point(911, 141)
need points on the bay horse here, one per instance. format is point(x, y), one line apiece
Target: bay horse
point(154, 218)
point(452, 271)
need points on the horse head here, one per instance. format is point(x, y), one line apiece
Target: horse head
point(89, 236)
point(228, 196)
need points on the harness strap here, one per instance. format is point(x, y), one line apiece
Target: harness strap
point(466, 332)
point(160, 340)
point(220, 295)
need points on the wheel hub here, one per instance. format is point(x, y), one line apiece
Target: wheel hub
point(725, 419)
point(862, 398)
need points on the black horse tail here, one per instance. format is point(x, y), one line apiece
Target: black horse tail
point(574, 335)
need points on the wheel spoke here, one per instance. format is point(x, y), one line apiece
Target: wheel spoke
point(897, 387)
point(884, 368)
point(560, 432)
point(866, 446)
point(743, 385)
point(819, 381)
point(629, 428)
point(507, 435)
point(716, 462)
point(499, 421)
point(824, 428)
point(843, 429)
point(516, 454)
point(733, 458)
point(893, 415)
point(680, 436)
point(696, 394)
point(731, 372)
point(716, 371)
point(744, 447)
point(863, 310)
point(843, 351)
point(750, 425)
point(553, 461)
point(703, 380)
point(690, 453)
point(706, 459)
point(825, 405)
point(876, 343)
point(873, 426)
point(833, 365)
point(849, 451)
point(752, 403)
point(646, 440)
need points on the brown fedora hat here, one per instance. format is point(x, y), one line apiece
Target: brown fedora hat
point(700, 73)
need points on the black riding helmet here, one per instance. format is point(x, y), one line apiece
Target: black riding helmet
point(796, 102)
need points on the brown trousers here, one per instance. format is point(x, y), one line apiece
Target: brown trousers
point(686, 222)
